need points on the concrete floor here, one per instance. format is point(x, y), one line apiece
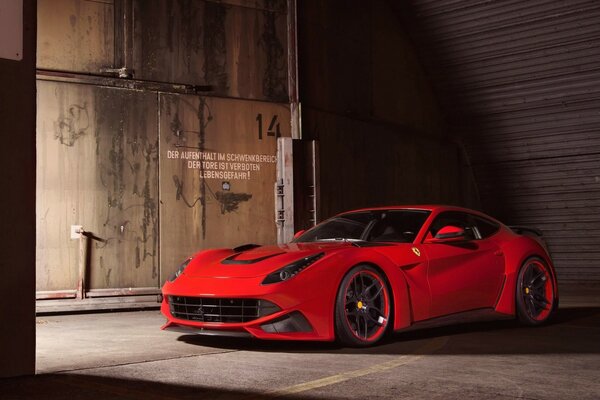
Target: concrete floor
point(125, 356)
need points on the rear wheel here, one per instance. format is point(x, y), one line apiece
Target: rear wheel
point(535, 292)
point(363, 307)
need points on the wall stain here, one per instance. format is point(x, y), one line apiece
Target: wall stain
point(116, 157)
point(107, 278)
point(150, 218)
point(142, 145)
point(169, 40)
point(106, 275)
point(128, 170)
point(205, 117)
point(215, 45)
point(176, 127)
point(135, 168)
point(71, 125)
point(230, 201)
point(275, 75)
point(150, 39)
point(204, 120)
point(184, 32)
point(138, 260)
point(179, 195)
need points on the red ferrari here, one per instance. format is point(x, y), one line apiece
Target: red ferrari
point(365, 273)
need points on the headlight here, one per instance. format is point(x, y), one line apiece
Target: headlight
point(180, 269)
point(291, 270)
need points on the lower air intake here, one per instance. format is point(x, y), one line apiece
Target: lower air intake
point(208, 309)
point(292, 322)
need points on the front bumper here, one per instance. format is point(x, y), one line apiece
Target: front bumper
point(188, 330)
point(299, 315)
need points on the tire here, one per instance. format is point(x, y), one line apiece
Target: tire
point(363, 308)
point(535, 292)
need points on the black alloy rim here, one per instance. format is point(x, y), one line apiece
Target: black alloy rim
point(536, 291)
point(367, 306)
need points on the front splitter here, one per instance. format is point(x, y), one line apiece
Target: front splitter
point(206, 332)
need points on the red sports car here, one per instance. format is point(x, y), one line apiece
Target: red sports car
point(362, 274)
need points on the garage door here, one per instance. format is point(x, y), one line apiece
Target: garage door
point(519, 83)
point(152, 178)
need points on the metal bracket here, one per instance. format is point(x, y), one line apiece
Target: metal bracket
point(280, 210)
point(284, 191)
point(122, 72)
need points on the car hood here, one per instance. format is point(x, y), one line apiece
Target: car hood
point(254, 262)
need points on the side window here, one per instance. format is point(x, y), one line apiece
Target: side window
point(397, 226)
point(486, 227)
point(453, 218)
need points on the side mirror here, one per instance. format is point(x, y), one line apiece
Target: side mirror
point(299, 233)
point(449, 234)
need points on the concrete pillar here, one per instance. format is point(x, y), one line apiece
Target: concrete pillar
point(17, 199)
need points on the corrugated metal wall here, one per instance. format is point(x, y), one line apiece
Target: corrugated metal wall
point(519, 83)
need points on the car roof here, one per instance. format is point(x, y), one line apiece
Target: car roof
point(425, 207)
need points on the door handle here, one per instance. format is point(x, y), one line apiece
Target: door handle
point(499, 253)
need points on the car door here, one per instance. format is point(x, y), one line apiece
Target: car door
point(464, 275)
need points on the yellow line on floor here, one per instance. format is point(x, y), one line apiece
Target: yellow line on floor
point(427, 349)
point(91, 383)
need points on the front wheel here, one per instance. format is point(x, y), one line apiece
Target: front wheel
point(363, 307)
point(535, 292)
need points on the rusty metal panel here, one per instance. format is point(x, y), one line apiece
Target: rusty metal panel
point(97, 167)
point(217, 173)
point(519, 82)
point(238, 51)
point(238, 47)
point(75, 35)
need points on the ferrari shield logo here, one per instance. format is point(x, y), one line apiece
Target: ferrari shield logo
point(416, 251)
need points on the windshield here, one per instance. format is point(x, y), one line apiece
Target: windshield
point(399, 226)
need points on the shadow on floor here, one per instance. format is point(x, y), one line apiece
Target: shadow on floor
point(88, 387)
point(572, 331)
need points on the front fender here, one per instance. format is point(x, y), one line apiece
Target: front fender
point(398, 285)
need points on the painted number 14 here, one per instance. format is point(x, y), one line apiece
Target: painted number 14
point(273, 129)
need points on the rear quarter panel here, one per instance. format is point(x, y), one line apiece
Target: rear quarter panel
point(517, 249)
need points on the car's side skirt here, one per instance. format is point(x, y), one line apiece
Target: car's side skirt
point(480, 314)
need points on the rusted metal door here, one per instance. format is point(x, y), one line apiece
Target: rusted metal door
point(98, 168)
point(129, 151)
point(218, 171)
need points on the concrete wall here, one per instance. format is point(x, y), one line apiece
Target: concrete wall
point(17, 210)
point(367, 101)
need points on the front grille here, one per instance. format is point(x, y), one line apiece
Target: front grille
point(208, 309)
